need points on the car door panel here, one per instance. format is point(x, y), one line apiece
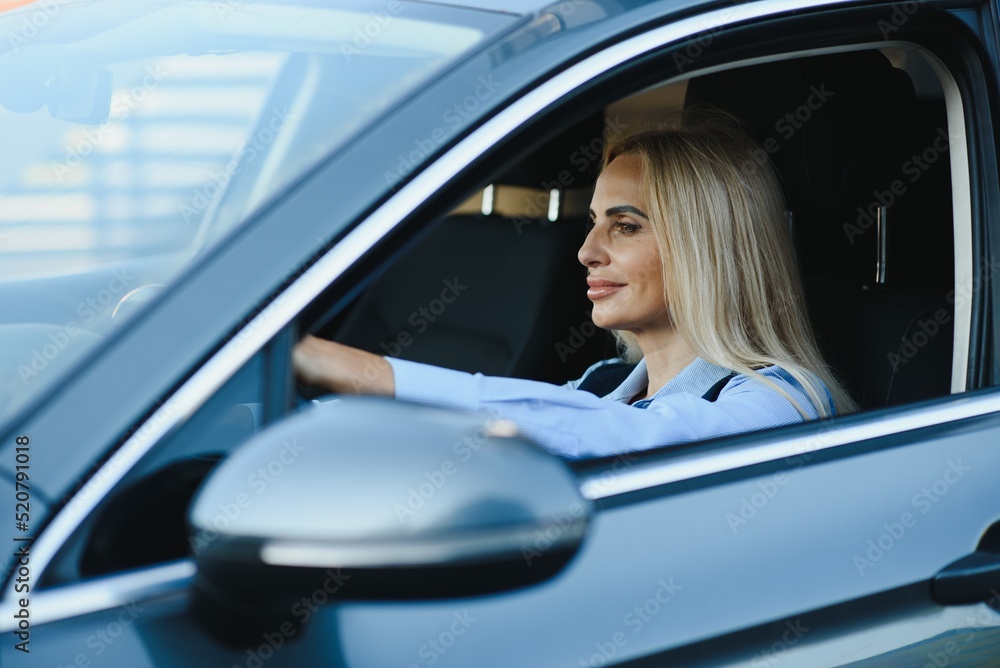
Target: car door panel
point(672, 570)
point(805, 548)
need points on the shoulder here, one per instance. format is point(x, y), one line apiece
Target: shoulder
point(774, 373)
point(775, 381)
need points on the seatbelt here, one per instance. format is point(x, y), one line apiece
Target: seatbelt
point(604, 379)
point(713, 392)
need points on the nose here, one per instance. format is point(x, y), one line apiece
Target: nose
point(592, 253)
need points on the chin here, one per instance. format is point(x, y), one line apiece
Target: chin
point(604, 321)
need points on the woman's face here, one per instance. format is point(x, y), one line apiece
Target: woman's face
point(621, 253)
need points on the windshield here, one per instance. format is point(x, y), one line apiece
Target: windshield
point(137, 135)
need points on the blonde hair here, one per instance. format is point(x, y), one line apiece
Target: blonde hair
point(730, 275)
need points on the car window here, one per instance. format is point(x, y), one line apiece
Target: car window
point(139, 134)
point(870, 206)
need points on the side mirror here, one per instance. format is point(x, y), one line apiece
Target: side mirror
point(387, 499)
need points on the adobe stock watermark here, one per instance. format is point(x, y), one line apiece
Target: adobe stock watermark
point(224, 8)
point(420, 319)
point(926, 329)
point(263, 315)
point(100, 640)
point(121, 107)
point(366, 34)
point(88, 310)
point(245, 155)
point(787, 125)
point(423, 317)
point(424, 490)
point(453, 117)
point(596, 486)
point(790, 637)
point(548, 536)
point(929, 327)
point(583, 158)
point(101, 475)
point(436, 647)
point(696, 47)
point(913, 168)
point(901, 13)
point(752, 504)
point(923, 501)
point(973, 624)
point(258, 482)
point(34, 23)
point(576, 338)
point(635, 621)
point(302, 610)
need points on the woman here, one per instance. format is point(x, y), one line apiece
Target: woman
point(690, 264)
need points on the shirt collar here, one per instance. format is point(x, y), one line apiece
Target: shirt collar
point(696, 378)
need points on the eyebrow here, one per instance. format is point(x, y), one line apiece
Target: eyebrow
point(620, 209)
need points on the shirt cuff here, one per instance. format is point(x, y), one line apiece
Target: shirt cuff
point(434, 385)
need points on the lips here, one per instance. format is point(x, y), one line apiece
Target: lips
point(600, 288)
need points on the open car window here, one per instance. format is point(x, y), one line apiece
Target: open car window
point(871, 208)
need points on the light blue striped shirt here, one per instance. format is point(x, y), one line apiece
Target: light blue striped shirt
point(576, 424)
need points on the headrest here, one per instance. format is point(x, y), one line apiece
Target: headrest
point(508, 201)
point(835, 126)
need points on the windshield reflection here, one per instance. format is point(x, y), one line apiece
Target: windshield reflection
point(138, 135)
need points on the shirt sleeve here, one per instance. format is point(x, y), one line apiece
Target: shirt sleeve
point(577, 424)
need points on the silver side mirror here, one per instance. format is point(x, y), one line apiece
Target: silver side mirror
point(399, 501)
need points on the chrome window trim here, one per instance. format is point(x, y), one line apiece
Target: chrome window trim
point(961, 194)
point(115, 591)
point(206, 380)
point(630, 477)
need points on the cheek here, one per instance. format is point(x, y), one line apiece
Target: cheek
point(653, 283)
point(650, 273)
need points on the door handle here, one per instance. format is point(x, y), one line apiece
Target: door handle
point(971, 579)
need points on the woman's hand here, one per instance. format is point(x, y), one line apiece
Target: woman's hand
point(341, 369)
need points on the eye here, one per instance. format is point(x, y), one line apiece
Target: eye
point(626, 227)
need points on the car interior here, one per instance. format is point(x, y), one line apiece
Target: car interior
point(860, 140)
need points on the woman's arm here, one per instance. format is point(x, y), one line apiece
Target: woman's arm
point(577, 424)
point(569, 422)
point(342, 369)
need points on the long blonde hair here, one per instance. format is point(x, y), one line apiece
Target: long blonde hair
point(730, 276)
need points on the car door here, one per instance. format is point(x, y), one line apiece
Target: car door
point(826, 544)
point(812, 545)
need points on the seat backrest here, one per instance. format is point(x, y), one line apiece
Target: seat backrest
point(893, 347)
point(477, 293)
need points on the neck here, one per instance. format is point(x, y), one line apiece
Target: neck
point(666, 355)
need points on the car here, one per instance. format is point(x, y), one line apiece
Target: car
point(189, 187)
